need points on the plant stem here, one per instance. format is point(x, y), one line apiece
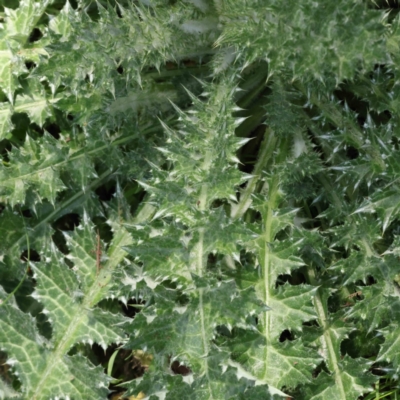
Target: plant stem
point(267, 148)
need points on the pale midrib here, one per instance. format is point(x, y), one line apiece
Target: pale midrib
point(267, 271)
point(204, 339)
point(55, 357)
point(64, 345)
point(22, 52)
point(326, 338)
point(267, 149)
point(333, 361)
point(26, 106)
point(200, 271)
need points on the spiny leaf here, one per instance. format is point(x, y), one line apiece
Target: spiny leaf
point(37, 107)
point(68, 296)
point(386, 204)
point(31, 169)
point(13, 43)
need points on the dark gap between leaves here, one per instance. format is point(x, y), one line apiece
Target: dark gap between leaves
point(67, 222)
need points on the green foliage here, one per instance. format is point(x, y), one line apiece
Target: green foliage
point(210, 186)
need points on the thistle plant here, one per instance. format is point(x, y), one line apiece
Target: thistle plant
point(199, 199)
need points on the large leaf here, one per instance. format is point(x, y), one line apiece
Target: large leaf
point(13, 43)
point(37, 107)
point(32, 168)
point(68, 296)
